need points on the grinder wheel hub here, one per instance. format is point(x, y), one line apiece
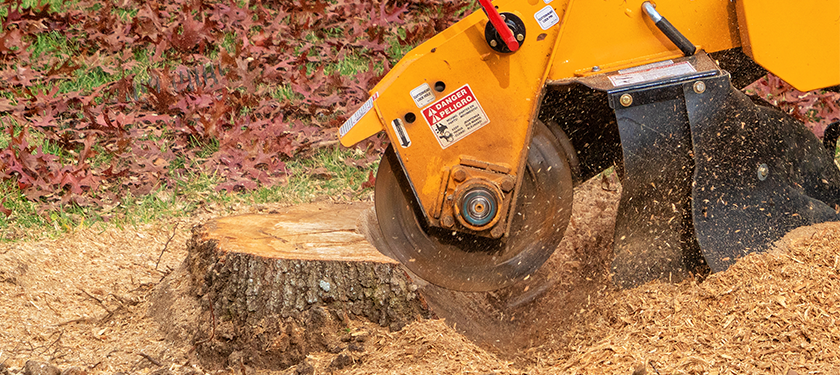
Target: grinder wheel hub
point(478, 206)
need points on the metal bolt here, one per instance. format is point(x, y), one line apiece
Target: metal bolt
point(520, 37)
point(498, 231)
point(493, 43)
point(699, 87)
point(626, 100)
point(459, 175)
point(507, 184)
point(596, 68)
point(447, 221)
point(763, 171)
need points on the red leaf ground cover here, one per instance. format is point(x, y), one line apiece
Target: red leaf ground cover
point(235, 88)
point(211, 103)
point(817, 109)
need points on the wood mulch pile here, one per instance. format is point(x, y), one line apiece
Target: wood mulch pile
point(82, 301)
point(770, 313)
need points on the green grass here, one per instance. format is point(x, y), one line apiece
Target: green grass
point(87, 79)
point(52, 43)
point(284, 92)
point(352, 64)
point(190, 193)
point(126, 14)
point(4, 137)
point(60, 48)
point(345, 182)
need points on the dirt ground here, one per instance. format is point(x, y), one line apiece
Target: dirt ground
point(82, 300)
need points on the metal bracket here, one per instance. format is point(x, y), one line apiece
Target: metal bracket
point(654, 237)
point(711, 177)
point(759, 173)
point(469, 174)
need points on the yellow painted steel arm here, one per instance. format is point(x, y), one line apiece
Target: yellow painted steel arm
point(363, 124)
point(499, 92)
point(610, 34)
point(798, 41)
point(616, 34)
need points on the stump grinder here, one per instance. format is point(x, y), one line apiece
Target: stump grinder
point(493, 122)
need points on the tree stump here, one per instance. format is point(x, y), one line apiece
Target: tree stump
point(266, 290)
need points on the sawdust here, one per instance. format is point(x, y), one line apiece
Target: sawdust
point(425, 348)
point(79, 300)
point(769, 313)
point(82, 300)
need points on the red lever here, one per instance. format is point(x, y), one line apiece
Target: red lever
point(500, 25)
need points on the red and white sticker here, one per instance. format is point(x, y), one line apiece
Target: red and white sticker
point(651, 72)
point(455, 116)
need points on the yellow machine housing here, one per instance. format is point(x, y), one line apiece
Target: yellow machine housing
point(588, 37)
point(798, 41)
point(460, 111)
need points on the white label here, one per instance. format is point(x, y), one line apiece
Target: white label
point(646, 67)
point(422, 95)
point(455, 116)
point(548, 1)
point(361, 112)
point(547, 17)
point(402, 135)
point(652, 74)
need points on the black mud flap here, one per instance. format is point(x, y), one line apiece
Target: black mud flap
point(711, 177)
point(759, 174)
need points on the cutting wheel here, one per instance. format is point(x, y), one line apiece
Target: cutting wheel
point(465, 262)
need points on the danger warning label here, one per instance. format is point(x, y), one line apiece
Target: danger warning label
point(455, 116)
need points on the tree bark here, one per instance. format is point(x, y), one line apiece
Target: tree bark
point(273, 288)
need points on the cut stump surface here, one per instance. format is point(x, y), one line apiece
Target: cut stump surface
point(309, 232)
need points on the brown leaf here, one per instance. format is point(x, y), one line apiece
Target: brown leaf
point(66, 68)
point(3, 209)
point(371, 182)
point(321, 173)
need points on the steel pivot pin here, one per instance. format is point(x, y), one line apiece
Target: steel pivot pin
point(626, 100)
point(699, 87)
